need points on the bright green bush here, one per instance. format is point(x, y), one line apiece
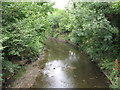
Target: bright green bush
point(24, 28)
point(60, 22)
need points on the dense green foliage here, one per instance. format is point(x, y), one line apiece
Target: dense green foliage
point(95, 28)
point(24, 28)
point(1, 48)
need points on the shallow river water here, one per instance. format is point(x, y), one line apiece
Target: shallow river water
point(65, 66)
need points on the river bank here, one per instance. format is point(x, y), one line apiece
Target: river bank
point(27, 79)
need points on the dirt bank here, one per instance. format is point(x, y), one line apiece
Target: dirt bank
point(28, 79)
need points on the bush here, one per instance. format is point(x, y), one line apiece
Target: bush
point(24, 31)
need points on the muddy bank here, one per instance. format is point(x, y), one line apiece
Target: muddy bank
point(28, 78)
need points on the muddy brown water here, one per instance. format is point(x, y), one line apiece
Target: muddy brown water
point(65, 66)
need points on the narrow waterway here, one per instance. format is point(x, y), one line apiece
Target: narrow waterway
point(65, 66)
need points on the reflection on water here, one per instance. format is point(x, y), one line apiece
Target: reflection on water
point(56, 76)
point(66, 67)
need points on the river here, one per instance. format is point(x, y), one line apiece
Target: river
point(65, 66)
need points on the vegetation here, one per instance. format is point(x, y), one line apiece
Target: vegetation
point(24, 27)
point(94, 27)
